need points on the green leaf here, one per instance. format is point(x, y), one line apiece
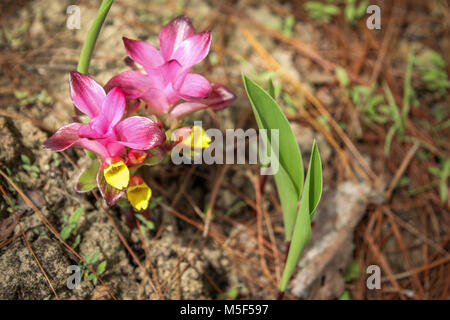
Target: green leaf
point(25, 159)
point(352, 271)
point(231, 294)
point(345, 295)
point(66, 231)
point(408, 91)
point(76, 215)
point(88, 179)
point(76, 242)
point(289, 197)
point(289, 178)
point(94, 257)
point(388, 140)
point(91, 154)
point(342, 77)
point(315, 179)
point(238, 205)
point(271, 88)
point(395, 111)
point(92, 278)
point(302, 233)
point(149, 224)
point(443, 190)
point(101, 267)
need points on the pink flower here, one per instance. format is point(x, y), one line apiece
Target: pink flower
point(106, 134)
point(167, 79)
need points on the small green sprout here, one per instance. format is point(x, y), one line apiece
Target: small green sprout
point(31, 169)
point(70, 224)
point(91, 260)
point(354, 11)
point(442, 174)
point(432, 68)
point(321, 12)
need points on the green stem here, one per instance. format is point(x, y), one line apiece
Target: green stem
point(91, 39)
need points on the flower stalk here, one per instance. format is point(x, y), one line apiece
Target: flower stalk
point(91, 39)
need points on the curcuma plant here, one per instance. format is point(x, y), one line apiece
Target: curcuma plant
point(299, 197)
point(135, 120)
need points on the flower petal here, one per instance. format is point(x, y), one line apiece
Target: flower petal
point(133, 83)
point(110, 194)
point(219, 98)
point(116, 149)
point(193, 49)
point(156, 101)
point(139, 133)
point(86, 93)
point(117, 174)
point(185, 108)
point(64, 137)
point(113, 106)
point(143, 53)
point(173, 34)
point(139, 196)
point(195, 86)
point(97, 128)
point(93, 145)
point(161, 76)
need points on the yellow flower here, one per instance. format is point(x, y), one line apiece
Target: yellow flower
point(117, 174)
point(139, 193)
point(198, 139)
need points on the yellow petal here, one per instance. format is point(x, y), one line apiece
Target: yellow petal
point(117, 175)
point(139, 196)
point(198, 139)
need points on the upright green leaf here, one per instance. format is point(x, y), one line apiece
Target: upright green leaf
point(315, 179)
point(310, 198)
point(289, 178)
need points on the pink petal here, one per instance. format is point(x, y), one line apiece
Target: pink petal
point(97, 128)
point(113, 106)
point(67, 136)
point(133, 83)
point(64, 137)
point(219, 98)
point(93, 145)
point(116, 149)
point(195, 86)
point(110, 194)
point(139, 133)
point(156, 101)
point(87, 95)
point(171, 94)
point(173, 34)
point(185, 108)
point(193, 49)
point(161, 76)
point(143, 53)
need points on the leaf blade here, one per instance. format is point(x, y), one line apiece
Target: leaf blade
point(308, 204)
point(289, 178)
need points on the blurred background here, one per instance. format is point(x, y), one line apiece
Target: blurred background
point(371, 89)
